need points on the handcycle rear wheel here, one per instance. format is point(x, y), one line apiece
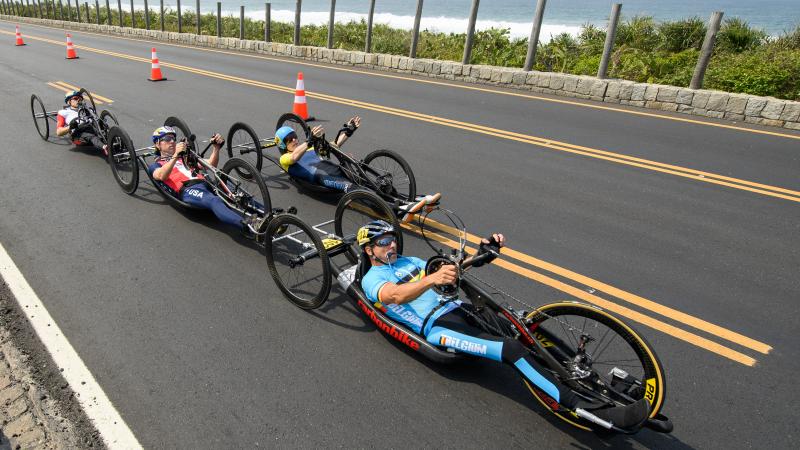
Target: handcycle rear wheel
point(358, 208)
point(298, 261)
point(299, 126)
point(122, 159)
point(40, 119)
point(249, 181)
point(403, 184)
point(623, 366)
point(243, 143)
point(88, 95)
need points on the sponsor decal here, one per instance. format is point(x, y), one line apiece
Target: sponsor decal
point(650, 390)
point(526, 336)
point(330, 243)
point(391, 330)
point(195, 193)
point(462, 344)
point(550, 401)
point(543, 340)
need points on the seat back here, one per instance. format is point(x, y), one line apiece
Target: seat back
point(364, 265)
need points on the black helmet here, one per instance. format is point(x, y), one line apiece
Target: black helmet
point(372, 230)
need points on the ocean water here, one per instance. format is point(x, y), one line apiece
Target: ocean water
point(451, 16)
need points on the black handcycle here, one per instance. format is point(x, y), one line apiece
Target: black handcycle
point(383, 172)
point(99, 124)
point(603, 360)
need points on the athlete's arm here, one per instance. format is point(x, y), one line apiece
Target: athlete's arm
point(403, 293)
point(355, 120)
point(62, 127)
point(162, 173)
point(217, 141)
point(301, 149)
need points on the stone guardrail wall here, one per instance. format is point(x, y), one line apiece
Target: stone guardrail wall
point(698, 102)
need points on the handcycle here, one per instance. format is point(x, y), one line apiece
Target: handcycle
point(382, 171)
point(100, 124)
point(598, 356)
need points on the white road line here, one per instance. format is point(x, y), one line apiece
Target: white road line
point(113, 430)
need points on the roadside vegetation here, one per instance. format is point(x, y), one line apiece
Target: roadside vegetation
point(745, 59)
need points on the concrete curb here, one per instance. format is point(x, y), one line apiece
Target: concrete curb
point(767, 111)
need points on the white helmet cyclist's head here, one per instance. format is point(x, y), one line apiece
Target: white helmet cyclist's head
point(164, 139)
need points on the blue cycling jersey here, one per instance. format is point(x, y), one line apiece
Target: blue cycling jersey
point(413, 313)
point(306, 167)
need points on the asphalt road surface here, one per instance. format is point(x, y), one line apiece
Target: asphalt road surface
point(182, 326)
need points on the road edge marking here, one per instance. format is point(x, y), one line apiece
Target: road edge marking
point(91, 397)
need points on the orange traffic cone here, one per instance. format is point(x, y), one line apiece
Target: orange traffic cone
point(300, 106)
point(19, 38)
point(155, 68)
point(70, 48)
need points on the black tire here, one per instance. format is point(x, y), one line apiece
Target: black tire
point(107, 120)
point(88, 95)
point(305, 283)
point(356, 209)
point(243, 143)
point(297, 124)
point(183, 131)
point(39, 115)
point(403, 185)
point(122, 159)
point(245, 177)
point(559, 325)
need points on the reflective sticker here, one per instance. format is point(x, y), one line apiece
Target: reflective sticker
point(330, 243)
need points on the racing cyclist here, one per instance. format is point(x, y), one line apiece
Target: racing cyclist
point(400, 288)
point(187, 184)
point(80, 130)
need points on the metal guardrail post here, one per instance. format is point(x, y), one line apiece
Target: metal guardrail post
point(706, 51)
point(197, 8)
point(415, 36)
point(297, 22)
point(330, 23)
point(241, 22)
point(473, 16)
point(611, 34)
point(146, 15)
point(219, 19)
point(368, 45)
point(533, 43)
point(267, 22)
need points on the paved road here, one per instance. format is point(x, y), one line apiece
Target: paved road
point(182, 326)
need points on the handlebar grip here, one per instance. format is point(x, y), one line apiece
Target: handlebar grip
point(491, 254)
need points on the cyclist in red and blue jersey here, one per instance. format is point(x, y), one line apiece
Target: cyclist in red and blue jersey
point(400, 288)
point(187, 183)
point(301, 161)
point(68, 122)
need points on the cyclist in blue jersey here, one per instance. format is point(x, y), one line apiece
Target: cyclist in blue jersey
point(301, 161)
point(399, 286)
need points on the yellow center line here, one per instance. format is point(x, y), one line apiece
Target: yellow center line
point(607, 305)
point(634, 299)
point(706, 177)
point(57, 85)
point(288, 60)
point(95, 96)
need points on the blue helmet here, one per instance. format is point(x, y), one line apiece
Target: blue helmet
point(71, 94)
point(282, 134)
point(372, 230)
point(160, 132)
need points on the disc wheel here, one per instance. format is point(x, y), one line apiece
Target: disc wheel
point(299, 126)
point(40, 119)
point(243, 143)
point(246, 184)
point(122, 159)
point(88, 96)
point(623, 367)
point(297, 261)
point(394, 176)
point(356, 209)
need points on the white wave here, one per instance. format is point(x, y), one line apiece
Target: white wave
point(440, 24)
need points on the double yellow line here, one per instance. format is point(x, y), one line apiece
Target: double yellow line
point(60, 85)
point(673, 314)
point(697, 175)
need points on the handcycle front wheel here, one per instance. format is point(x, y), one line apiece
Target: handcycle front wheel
point(243, 143)
point(356, 209)
point(298, 261)
point(622, 365)
point(245, 179)
point(296, 123)
point(40, 119)
point(122, 159)
point(398, 180)
point(88, 95)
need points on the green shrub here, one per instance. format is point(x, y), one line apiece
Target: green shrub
point(682, 34)
point(736, 35)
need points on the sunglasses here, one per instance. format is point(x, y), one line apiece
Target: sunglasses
point(167, 138)
point(384, 241)
point(290, 138)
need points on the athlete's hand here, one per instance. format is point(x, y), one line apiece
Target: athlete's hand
point(317, 131)
point(217, 140)
point(445, 275)
point(73, 124)
point(180, 147)
point(355, 121)
point(496, 240)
